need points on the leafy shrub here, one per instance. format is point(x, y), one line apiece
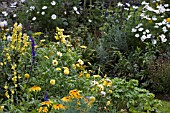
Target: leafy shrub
point(159, 76)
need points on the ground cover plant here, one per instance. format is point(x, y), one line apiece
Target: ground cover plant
point(83, 56)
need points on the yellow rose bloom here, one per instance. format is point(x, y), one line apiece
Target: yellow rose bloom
point(52, 82)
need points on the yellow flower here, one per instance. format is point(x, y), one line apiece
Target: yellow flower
point(59, 30)
point(52, 82)
point(55, 62)
point(66, 70)
point(87, 75)
point(75, 94)
point(66, 99)
point(59, 106)
point(84, 47)
point(6, 94)
point(108, 103)
point(110, 91)
point(35, 88)
point(1, 108)
point(92, 99)
point(168, 19)
point(43, 109)
point(58, 69)
point(48, 103)
point(46, 57)
point(27, 75)
point(101, 87)
point(1, 63)
point(107, 82)
point(96, 76)
point(40, 109)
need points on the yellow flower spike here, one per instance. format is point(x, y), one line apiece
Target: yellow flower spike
point(27, 75)
point(168, 19)
point(52, 82)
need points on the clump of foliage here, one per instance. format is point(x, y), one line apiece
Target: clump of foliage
point(39, 75)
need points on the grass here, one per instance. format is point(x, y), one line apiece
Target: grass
point(165, 107)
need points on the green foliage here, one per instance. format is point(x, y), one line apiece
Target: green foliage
point(159, 72)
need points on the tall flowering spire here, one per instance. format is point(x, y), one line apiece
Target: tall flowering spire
point(33, 49)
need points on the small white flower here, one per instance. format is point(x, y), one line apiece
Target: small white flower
point(127, 9)
point(149, 35)
point(154, 41)
point(32, 8)
point(90, 20)
point(135, 7)
point(38, 12)
point(140, 29)
point(4, 13)
point(14, 15)
point(44, 7)
point(144, 33)
point(163, 39)
point(168, 25)
point(53, 16)
point(133, 30)
point(3, 23)
point(143, 38)
point(43, 13)
point(128, 4)
point(9, 38)
point(119, 4)
point(147, 30)
point(53, 3)
point(156, 26)
point(77, 12)
point(75, 8)
point(166, 5)
point(59, 54)
point(139, 25)
point(154, 18)
point(164, 29)
point(34, 18)
point(22, 1)
point(65, 12)
point(137, 35)
point(103, 93)
point(144, 3)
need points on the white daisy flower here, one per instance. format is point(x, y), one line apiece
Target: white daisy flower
point(53, 3)
point(44, 7)
point(75, 8)
point(137, 35)
point(34, 18)
point(53, 16)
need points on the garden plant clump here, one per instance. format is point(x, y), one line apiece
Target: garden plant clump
point(83, 56)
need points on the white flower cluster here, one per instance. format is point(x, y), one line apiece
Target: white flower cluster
point(3, 23)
